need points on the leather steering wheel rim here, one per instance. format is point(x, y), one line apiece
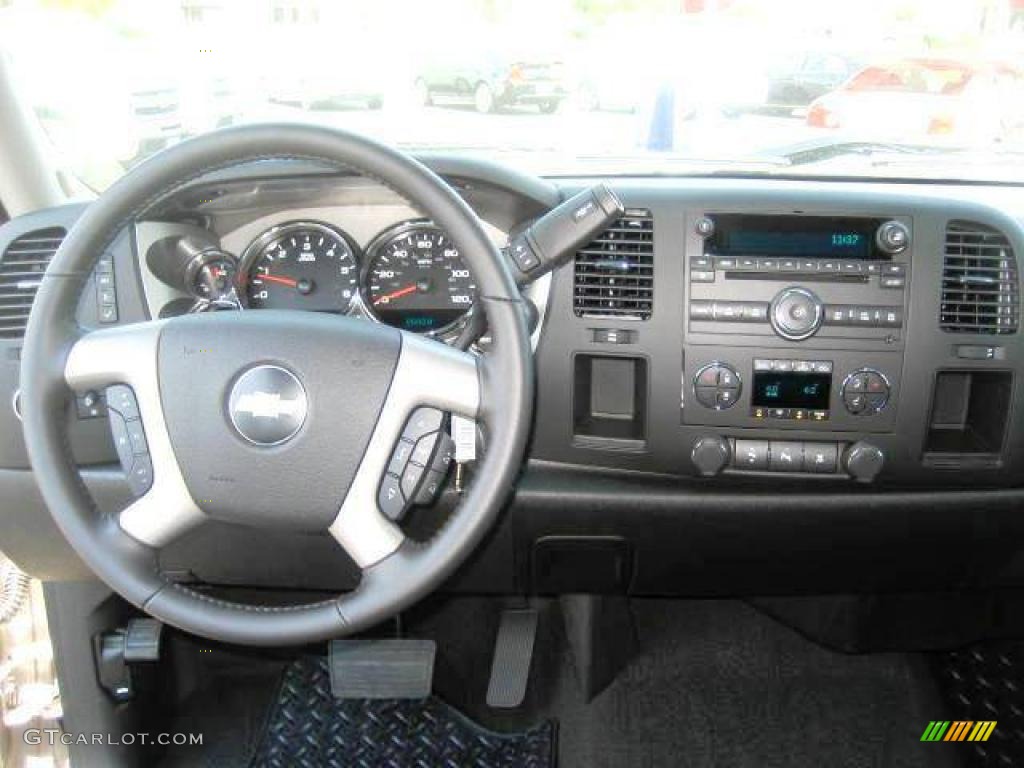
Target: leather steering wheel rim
point(54, 341)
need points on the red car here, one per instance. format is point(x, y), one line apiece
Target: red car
point(922, 99)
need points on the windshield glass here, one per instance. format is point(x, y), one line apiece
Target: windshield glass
point(893, 88)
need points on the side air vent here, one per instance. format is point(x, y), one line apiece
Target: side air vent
point(980, 288)
point(615, 273)
point(21, 270)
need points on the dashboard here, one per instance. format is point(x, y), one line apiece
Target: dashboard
point(743, 384)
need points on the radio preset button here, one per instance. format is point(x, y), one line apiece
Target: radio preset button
point(702, 310)
point(702, 276)
point(893, 282)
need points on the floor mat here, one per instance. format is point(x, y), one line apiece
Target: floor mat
point(715, 683)
point(986, 683)
point(309, 727)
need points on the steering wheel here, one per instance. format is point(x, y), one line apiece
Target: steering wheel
point(348, 388)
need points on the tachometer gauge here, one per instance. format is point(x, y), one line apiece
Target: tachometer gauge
point(301, 265)
point(416, 280)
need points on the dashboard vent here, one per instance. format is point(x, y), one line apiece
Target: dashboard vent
point(615, 273)
point(21, 270)
point(980, 289)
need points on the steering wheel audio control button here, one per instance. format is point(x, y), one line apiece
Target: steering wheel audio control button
point(137, 436)
point(122, 442)
point(422, 422)
point(140, 479)
point(424, 449)
point(129, 438)
point(430, 488)
point(121, 398)
point(400, 457)
point(390, 498)
point(411, 479)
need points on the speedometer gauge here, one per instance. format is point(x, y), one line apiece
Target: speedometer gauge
point(301, 265)
point(416, 280)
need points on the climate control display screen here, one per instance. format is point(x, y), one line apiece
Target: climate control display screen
point(791, 390)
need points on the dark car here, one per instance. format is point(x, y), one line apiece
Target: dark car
point(492, 80)
point(797, 80)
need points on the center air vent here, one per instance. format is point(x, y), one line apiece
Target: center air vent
point(980, 289)
point(21, 270)
point(615, 273)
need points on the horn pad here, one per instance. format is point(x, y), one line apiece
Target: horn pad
point(270, 413)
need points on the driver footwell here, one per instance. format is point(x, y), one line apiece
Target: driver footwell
point(711, 683)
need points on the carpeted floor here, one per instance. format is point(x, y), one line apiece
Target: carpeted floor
point(714, 683)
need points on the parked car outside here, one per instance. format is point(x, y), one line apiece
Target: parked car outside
point(925, 99)
point(492, 79)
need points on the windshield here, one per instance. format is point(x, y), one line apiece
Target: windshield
point(893, 88)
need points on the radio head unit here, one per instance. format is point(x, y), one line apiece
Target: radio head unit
point(803, 237)
point(798, 277)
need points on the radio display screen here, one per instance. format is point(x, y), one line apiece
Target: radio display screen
point(795, 237)
point(792, 390)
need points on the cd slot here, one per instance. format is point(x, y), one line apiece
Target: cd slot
point(807, 277)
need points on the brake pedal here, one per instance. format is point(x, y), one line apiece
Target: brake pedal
point(513, 653)
point(382, 669)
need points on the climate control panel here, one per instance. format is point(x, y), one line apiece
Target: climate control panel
point(838, 390)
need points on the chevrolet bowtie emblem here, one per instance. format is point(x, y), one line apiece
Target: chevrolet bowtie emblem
point(267, 405)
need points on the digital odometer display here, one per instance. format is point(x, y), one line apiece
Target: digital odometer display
point(794, 237)
point(417, 281)
point(792, 390)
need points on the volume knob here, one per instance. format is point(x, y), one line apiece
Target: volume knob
point(795, 314)
point(893, 237)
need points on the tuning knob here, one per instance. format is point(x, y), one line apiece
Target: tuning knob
point(863, 461)
point(893, 237)
point(795, 314)
point(710, 455)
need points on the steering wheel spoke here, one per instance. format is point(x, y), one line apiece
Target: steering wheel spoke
point(126, 358)
point(428, 374)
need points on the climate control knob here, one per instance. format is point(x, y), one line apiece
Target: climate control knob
point(795, 314)
point(865, 391)
point(710, 455)
point(863, 461)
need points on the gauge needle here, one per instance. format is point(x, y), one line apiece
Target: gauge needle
point(395, 294)
point(282, 280)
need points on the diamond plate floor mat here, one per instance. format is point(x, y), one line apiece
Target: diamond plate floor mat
point(309, 727)
point(985, 683)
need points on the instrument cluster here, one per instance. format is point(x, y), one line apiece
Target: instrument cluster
point(410, 276)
